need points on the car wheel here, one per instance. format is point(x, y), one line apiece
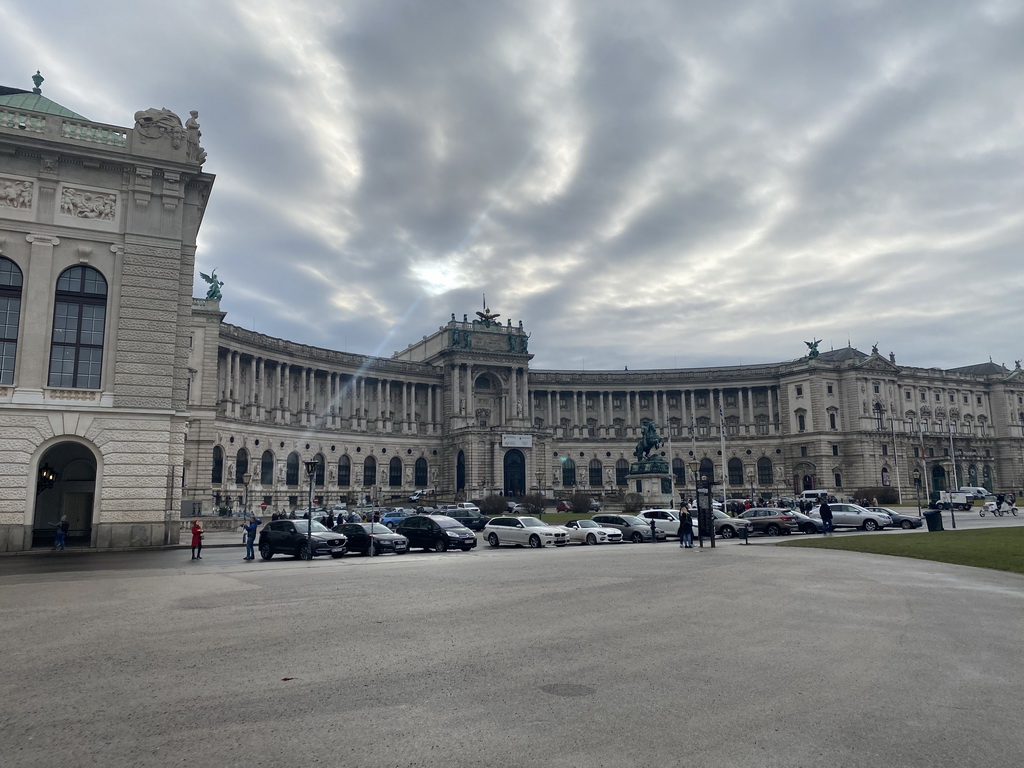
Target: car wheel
point(266, 552)
point(535, 542)
point(906, 525)
point(870, 525)
point(728, 532)
point(773, 530)
point(591, 538)
point(492, 539)
point(637, 538)
point(303, 553)
point(809, 528)
point(441, 545)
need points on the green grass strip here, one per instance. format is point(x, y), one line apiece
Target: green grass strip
point(1001, 549)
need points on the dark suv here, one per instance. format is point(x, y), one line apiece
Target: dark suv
point(436, 532)
point(289, 537)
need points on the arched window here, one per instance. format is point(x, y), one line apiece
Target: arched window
point(621, 472)
point(241, 465)
point(292, 469)
point(217, 476)
point(679, 471)
point(395, 473)
point(421, 472)
point(568, 473)
point(267, 468)
point(764, 471)
point(344, 472)
point(595, 480)
point(79, 314)
point(10, 314)
point(369, 472)
point(735, 468)
point(318, 477)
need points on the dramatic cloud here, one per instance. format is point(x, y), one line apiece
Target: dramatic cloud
point(654, 183)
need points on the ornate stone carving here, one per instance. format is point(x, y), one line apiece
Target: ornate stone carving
point(194, 151)
point(155, 123)
point(16, 194)
point(88, 205)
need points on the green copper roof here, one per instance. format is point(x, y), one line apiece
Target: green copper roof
point(36, 102)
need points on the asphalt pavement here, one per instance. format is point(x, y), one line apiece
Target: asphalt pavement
point(619, 655)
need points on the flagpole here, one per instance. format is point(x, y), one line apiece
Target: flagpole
point(896, 461)
point(721, 435)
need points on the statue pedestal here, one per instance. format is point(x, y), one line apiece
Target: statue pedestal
point(651, 479)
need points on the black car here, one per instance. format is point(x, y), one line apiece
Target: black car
point(288, 537)
point(470, 518)
point(899, 519)
point(384, 539)
point(436, 532)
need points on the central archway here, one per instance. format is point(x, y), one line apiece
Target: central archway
point(67, 488)
point(515, 473)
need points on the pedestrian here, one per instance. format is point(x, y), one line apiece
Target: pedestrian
point(685, 528)
point(197, 540)
point(825, 512)
point(60, 533)
point(250, 538)
point(329, 522)
point(291, 515)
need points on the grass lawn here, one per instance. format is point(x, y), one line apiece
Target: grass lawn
point(999, 548)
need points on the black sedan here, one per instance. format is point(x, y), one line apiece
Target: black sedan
point(898, 518)
point(383, 538)
point(289, 537)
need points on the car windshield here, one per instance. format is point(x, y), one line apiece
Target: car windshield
point(447, 522)
point(586, 524)
point(631, 520)
point(720, 515)
point(303, 525)
point(531, 522)
point(375, 528)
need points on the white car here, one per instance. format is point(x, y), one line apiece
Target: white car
point(665, 520)
point(524, 530)
point(589, 532)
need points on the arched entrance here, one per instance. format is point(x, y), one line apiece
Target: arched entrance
point(939, 482)
point(515, 473)
point(65, 487)
point(460, 472)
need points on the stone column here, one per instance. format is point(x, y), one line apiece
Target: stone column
point(771, 412)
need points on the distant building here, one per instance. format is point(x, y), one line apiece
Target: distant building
point(98, 229)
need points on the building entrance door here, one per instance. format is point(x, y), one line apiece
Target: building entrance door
point(515, 473)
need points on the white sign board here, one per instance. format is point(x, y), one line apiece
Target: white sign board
point(517, 441)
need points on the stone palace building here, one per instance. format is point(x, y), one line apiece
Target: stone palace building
point(124, 400)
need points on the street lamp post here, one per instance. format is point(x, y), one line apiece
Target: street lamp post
point(917, 489)
point(952, 509)
point(311, 467)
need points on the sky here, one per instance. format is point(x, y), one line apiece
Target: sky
point(644, 183)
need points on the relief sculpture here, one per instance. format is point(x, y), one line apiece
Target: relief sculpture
point(88, 205)
point(16, 194)
point(155, 123)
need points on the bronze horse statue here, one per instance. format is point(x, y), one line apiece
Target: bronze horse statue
point(649, 440)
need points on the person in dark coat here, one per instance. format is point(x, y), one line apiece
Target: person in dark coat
point(685, 528)
point(825, 512)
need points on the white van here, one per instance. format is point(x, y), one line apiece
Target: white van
point(974, 490)
point(814, 495)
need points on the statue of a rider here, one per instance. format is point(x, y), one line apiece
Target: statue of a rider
point(649, 440)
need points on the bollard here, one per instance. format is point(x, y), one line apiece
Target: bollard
point(743, 533)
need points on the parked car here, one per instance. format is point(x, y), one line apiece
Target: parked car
point(807, 524)
point(471, 518)
point(563, 505)
point(383, 538)
point(898, 518)
point(436, 532)
point(665, 520)
point(728, 527)
point(589, 532)
point(771, 521)
point(289, 537)
point(632, 528)
point(854, 516)
point(524, 530)
point(393, 518)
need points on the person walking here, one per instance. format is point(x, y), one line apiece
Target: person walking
point(685, 528)
point(250, 538)
point(197, 540)
point(825, 512)
point(60, 533)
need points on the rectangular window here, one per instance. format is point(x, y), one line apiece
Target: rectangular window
point(835, 450)
point(907, 395)
point(616, 402)
point(924, 396)
point(829, 388)
point(979, 399)
point(799, 390)
point(952, 397)
point(885, 449)
point(8, 351)
point(938, 397)
point(803, 450)
point(645, 402)
point(917, 452)
point(876, 389)
point(730, 399)
point(702, 401)
point(673, 401)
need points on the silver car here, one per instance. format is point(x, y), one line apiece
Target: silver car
point(854, 516)
point(633, 528)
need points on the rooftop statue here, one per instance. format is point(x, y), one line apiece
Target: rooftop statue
point(812, 346)
point(194, 152)
point(214, 293)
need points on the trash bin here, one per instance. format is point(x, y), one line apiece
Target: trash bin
point(933, 517)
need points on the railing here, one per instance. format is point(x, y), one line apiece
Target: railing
point(22, 121)
point(96, 134)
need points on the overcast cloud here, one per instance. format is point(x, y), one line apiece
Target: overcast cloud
point(651, 183)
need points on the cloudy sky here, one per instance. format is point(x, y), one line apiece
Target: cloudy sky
point(645, 183)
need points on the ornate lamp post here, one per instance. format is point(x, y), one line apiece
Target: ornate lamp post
point(246, 479)
point(917, 489)
point(311, 467)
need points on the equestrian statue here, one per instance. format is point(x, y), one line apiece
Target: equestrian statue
point(649, 440)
